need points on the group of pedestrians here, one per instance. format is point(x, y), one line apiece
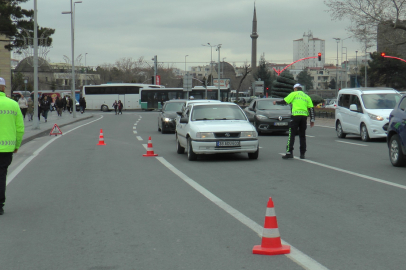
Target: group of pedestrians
point(118, 107)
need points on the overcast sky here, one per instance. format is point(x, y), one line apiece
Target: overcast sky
point(108, 30)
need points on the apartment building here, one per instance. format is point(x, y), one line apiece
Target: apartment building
point(308, 46)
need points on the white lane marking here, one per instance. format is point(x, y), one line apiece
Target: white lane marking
point(139, 138)
point(324, 126)
point(145, 146)
point(134, 127)
point(20, 167)
point(135, 124)
point(134, 131)
point(310, 136)
point(295, 255)
point(352, 173)
point(352, 143)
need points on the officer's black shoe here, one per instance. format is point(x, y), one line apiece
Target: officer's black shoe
point(302, 156)
point(288, 155)
point(1, 211)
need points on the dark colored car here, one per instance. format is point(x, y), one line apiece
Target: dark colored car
point(267, 117)
point(167, 116)
point(397, 134)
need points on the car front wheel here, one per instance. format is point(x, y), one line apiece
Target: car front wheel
point(396, 156)
point(339, 130)
point(364, 133)
point(254, 155)
point(190, 154)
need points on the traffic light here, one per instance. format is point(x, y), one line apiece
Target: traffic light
point(383, 54)
point(319, 56)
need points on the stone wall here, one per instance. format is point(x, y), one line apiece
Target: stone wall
point(5, 63)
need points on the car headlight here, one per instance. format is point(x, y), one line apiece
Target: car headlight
point(375, 117)
point(166, 119)
point(259, 116)
point(205, 135)
point(248, 134)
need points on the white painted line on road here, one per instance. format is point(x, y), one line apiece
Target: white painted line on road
point(352, 143)
point(295, 255)
point(14, 173)
point(135, 124)
point(145, 146)
point(134, 127)
point(139, 138)
point(324, 126)
point(352, 173)
point(134, 131)
point(310, 136)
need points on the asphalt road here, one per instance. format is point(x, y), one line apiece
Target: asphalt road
point(74, 205)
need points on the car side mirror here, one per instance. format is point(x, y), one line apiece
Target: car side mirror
point(250, 109)
point(354, 108)
point(179, 113)
point(184, 120)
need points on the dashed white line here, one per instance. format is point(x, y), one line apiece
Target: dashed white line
point(139, 138)
point(352, 143)
point(134, 131)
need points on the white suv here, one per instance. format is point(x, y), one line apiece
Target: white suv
point(211, 128)
point(364, 111)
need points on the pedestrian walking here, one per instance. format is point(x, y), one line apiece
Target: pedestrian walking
point(64, 103)
point(302, 107)
point(120, 107)
point(82, 104)
point(69, 105)
point(11, 135)
point(115, 105)
point(23, 104)
point(59, 105)
point(30, 109)
point(39, 109)
point(45, 106)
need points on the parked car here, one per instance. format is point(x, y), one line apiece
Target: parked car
point(211, 128)
point(332, 104)
point(167, 116)
point(397, 134)
point(364, 111)
point(267, 117)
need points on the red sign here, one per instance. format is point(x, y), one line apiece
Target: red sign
point(158, 79)
point(55, 131)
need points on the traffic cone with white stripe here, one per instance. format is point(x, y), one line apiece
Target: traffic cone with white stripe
point(150, 150)
point(101, 138)
point(271, 241)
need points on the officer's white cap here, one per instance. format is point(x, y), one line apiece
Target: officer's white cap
point(297, 86)
point(2, 81)
point(192, 97)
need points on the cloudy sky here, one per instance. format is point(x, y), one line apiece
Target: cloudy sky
point(108, 30)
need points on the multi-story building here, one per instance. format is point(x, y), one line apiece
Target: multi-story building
point(306, 47)
point(5, 63)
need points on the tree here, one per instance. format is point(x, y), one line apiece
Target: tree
point(13, 21)
point(262, 73)
point(305, 79)
point(385, 72)
point(316, 99)
point(283, 85)
point(17, 82)
point(246, 71)
point(332, 84)
point(366, 15)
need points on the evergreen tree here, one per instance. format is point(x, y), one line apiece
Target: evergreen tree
point(262, 73)
point(332, 84)
point(283, 85)
point(305, 79)
point(13, 19)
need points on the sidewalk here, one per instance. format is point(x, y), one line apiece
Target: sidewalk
point(329, 122)
point(53, 118)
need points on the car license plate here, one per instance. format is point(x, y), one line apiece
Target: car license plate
point(228, 143)
point(281, 123)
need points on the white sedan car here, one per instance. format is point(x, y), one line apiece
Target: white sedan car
point(212, 128)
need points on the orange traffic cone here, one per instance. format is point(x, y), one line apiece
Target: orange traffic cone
point(150, 150)
point(101, 138)
point(271, 240)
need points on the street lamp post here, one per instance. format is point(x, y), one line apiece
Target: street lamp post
point(72, 18)
point(338, 40)
point(346, 67)
point(356, 69)
point(218, 71)
point(85, 70)
point(222, 72)
point(36, 120)
point(187, 92)
point(211, 60)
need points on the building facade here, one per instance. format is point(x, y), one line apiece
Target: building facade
point(5, 63)
point(308, 46)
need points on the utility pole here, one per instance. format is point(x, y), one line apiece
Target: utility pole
point(218, 72)
point(155, 67)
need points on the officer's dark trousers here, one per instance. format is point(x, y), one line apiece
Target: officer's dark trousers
point(5, 161)
point(297, 126)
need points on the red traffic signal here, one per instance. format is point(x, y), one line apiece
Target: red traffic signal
point(383, 54)
point(319, 56)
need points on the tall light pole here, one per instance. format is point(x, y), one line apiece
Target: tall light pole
point(346, 67)
point(72, 19)
point(222, 72)
point(338, 40)
point(218, 71)
point(36, 120)
point(356, 69)
point(211, 60)
point(187, 92)
point(85, 70)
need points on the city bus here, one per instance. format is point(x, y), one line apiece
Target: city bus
point(242, 94)
point(153, 98)
point(102, 97)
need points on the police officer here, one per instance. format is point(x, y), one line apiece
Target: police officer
point(11, 135)
point(302, 107)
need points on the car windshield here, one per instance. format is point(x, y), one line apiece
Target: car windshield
point(380, 101)
point(268, 105)
point(173, 106)
point(217, 112)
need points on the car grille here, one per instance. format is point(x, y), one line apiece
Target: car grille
point(284, 117)
point(227, 134)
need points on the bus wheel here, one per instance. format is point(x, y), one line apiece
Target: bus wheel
point(104, 108)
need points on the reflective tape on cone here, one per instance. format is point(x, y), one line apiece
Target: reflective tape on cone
point(101, 138)
point(271, 241)
point(150, 150)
